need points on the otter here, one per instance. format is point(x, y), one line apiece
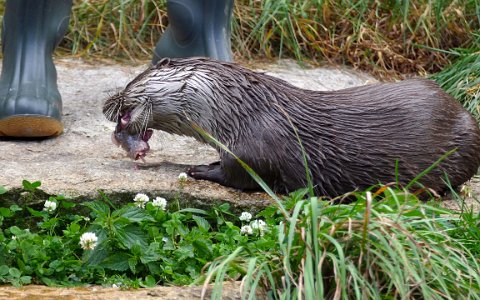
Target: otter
point(351, 139)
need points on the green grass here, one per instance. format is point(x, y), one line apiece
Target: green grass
point(386, 37)
point(386, 246)
point(462, 78)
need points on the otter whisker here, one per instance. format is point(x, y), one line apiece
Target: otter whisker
point(144, 123)
point(109, 112)
point(147, 113)
point(113, 107)
point(113, 112)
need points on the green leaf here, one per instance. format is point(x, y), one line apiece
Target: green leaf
point(201, 223)
point(50, 224)
point(150, 281)
point(48, 281)
point(134, 214)
point(131, 235)
point(68, 204)
point(194, 211)
point(5, 212)
point(3, 190)
point(132, 263)
point(97, 255)
point(203, 248)
point(117, 262)
point(184, 252)
point(14, 272)
point(136, 250)
point(30, 186)
point(99, 208)
point(73, 229)
point(36, 213)
point(3, 270)
point(16, 231)
point(224, 207)
point(25, 279)
point(152, 253)
point(15, 208)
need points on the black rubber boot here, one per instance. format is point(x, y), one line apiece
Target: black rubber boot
point(30, 104)
point(196, 28)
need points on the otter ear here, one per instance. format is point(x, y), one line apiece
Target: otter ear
point(164, 62)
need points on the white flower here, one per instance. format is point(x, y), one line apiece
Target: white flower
point(165, 239)
point(182, 176)
point(87, 219)
point(50, 206)
point(246, 229)
point(14, 237)
point(245, 216)
point(160, 203)
point(259, 225)
point(140, 200)
point(88, 241)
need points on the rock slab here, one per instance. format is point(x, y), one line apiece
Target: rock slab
point(83, 161)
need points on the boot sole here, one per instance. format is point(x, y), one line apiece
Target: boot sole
point(30, 126)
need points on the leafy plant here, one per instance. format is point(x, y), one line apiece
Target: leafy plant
point(139, 244)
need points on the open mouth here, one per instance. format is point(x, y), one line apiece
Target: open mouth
point(124, 119)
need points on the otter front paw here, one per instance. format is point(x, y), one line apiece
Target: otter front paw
point(212, 172)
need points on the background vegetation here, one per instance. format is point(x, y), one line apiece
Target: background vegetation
point(387, 37)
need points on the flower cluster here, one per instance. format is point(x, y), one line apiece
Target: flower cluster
point(88, 241)
point(245, 216)
point(160, 203)
point(259, 225)
point(182, 177)
point(255, 226)
point(246, 229)
point(141, 200)
point(50, 206)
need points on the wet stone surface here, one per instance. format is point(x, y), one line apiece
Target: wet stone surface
point(83, 160)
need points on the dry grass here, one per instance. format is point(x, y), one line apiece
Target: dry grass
point(387, 38)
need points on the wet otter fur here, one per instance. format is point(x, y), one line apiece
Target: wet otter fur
point(352, 138)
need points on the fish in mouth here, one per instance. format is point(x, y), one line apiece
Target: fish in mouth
point(136, 145)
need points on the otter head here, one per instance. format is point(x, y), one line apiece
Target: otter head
point(152, 100)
